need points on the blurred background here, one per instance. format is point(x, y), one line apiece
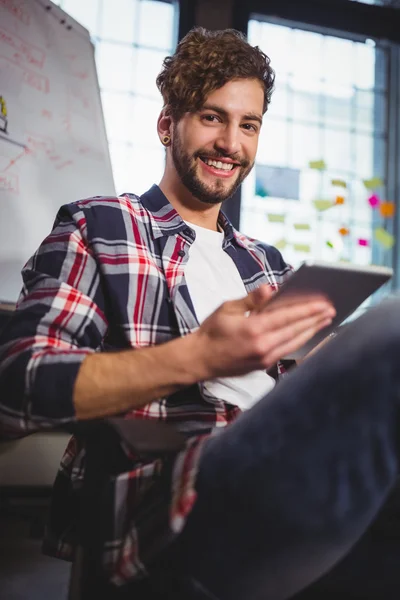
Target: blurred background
point(334, 101)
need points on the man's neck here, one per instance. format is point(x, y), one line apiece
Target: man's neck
point(188, 207)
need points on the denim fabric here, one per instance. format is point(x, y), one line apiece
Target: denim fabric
point(288, 489)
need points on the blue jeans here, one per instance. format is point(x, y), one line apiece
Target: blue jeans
point(287, 490)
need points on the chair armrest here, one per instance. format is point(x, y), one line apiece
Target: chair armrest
point(145, 436)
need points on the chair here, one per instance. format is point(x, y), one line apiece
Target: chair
point(102, 443)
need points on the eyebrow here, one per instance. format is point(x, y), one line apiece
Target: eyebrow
point(224, 113)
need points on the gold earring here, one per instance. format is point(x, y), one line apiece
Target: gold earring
point(166, 140)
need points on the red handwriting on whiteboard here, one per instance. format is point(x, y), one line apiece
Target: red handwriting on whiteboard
point(28, 52)
point(47, 114)
point(66, 163)
point(14, 160)
point(16, 10)
point(90, 153)
point(38, 82)
point(81, 75)
point(79, 102)
point(9, 183)
point(36, 142)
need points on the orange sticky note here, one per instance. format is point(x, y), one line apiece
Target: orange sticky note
point(344, 231)
point(339, 200)
point(387, 209)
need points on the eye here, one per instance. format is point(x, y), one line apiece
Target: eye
point(211, 118)
point(250, 127)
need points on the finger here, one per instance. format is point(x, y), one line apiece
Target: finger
point(300, 328)
point(253, 301)
point(291, 342)
point(288, 315)
point(292, 299)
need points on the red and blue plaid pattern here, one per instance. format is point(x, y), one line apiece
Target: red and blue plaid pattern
point(111, 276)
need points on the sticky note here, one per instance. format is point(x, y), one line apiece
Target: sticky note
point(384, 238)
point(272, 218)
point(320, 165)
point(363, 242)
point(329, 244)
point(344, 231)
point(339, 200)
point(374, 200)
point(302, 226)
point(281, 244)
point(387, 209)
point(373, 183)
point(323, 204)
point(261, 191)
point(302, 247)
point(339, 183)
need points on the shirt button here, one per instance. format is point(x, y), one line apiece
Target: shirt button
point(181, 253)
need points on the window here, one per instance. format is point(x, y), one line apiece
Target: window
point(330, 105)
point(131, 39)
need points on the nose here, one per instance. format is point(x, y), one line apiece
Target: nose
point(228, 141)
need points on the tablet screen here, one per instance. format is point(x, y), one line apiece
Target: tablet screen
point(345, 284)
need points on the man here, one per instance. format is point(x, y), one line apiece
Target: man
point(156, 308)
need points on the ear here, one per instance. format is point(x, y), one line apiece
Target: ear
point(164, 124)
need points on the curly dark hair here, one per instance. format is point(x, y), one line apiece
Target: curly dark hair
point(203, 62)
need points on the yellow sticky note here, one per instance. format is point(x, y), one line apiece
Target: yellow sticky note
point(339, 183)
point(323, 204)
point(280, 244)
point(320, 165)
point(384, 238)
point(276, 218)
point(302, 247)
point(302, 226)
point(373, 183)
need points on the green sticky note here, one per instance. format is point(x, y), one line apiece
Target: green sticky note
point(302, 247)
point(320, 165)
point(281, 244)
point(276, 218)
point(302, 226)
point(372, 184)
point(339, 183)
point(384, 238)
point(323, 204)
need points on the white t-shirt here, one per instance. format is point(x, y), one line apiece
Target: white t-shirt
point(212, 278)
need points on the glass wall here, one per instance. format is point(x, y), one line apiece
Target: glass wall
point(131, 39)
point(318, 188)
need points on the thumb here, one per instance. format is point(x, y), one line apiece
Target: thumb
point(255, 300)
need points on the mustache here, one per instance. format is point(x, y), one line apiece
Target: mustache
point(217, 155)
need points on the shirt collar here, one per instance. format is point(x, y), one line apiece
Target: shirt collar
point(166, 221)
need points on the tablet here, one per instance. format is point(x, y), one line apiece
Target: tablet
point(346, 285)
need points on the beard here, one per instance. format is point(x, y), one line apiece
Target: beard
point(185, 165)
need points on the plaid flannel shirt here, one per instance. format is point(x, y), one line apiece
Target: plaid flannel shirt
point(111, 276)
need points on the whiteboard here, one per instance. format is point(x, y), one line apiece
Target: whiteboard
point(53, 144)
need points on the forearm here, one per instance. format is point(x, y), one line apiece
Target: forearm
point(112, 383)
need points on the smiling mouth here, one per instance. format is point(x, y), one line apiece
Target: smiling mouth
point(218, 164)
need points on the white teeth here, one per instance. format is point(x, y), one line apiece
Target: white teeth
point(218, 164)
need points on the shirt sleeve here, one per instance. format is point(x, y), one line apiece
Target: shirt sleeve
point(58, 321)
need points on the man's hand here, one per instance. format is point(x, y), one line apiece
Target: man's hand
point(234, 342)
point(239, 337)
